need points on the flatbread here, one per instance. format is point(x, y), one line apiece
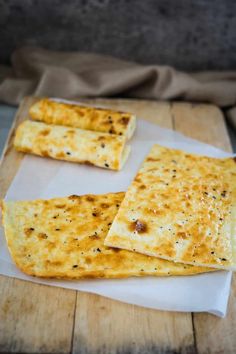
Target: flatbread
point(72, 144)
point(64, 238)
point(84, 117)
point(180, 207)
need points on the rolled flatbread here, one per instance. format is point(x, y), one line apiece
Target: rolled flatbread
point(84, 117)
point(72, 144)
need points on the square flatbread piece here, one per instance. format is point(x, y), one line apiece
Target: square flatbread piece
point(180, 207)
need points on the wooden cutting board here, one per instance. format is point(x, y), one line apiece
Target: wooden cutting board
point(41, 319)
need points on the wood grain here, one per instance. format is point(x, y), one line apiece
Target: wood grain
point(33, 318)
point(40, 319)
point(203, 122)
point(213, 335)
point(106, 326)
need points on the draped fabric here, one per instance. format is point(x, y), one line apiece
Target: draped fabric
point(41, 72)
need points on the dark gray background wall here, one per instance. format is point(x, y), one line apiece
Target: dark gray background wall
point(189, 34)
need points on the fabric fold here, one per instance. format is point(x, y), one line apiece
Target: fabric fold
point(41, 72)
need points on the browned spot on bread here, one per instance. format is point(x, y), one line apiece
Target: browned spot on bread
point(89, 198)
point(74, 196)
point(45, 153)
point(56, 263)
point(94, 237)
point(88, 260)
point(53, 263)
point(28, 231)
point(60, 155)
point(142, 186)
point(138, 226)
point(42, 236)
point(44, 132)
point(81, 113)
point(51, 245)
point(86, 162)
point(60, 206)
point(94, 115)
point(116, 250)
point(152, 159)
point(137, 179)
point(98, 274)
point(124, 120)
point(182, 235)
point(104, 206)
point(71, 132)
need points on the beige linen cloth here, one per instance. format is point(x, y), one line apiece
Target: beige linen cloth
point(41, 72)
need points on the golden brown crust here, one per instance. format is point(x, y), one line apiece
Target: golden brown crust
point(71, 144)
point(184, 207)
point(64, 238)
point(83, 117)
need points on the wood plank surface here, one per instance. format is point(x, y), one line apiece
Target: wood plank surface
point(107, 326)
point(33, 318)
point(213, 335)
point(203, 122)
point(40, 319)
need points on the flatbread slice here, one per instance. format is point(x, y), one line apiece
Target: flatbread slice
point(180, 207)
point(72, 144)
point(84, 117)
point(64, 238)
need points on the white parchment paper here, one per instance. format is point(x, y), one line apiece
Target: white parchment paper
point(47, 178)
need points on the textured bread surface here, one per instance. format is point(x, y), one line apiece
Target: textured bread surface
point(180, 207)
point(64, 238)
point(84, 117)
point(72, 144)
